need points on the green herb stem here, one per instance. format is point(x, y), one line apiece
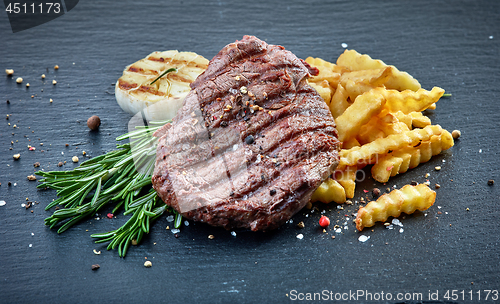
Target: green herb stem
point(107, 179)
point(163, 74)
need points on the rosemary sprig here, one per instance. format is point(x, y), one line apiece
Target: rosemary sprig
point(163, 74)
point(107, 179)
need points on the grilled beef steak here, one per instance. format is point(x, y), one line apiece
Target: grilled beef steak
point(251, 142)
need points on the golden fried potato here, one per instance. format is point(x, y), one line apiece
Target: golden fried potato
point(359, 113)
point(354, 89)
point(398, 80)
point(375, 77)
point(347, 178)
point(431, 107)
point(324, 90)
point(327, 71)
point(407, 200)
point(369, 132)
point(418, 120)
point(339, 102)
point(318, 62)
point(350, 143)
point(380, 126)
point(378, 112)
point(413, 119)
point(409, 101)
point(404, 118)
point(400, 161)
point(367, 154)
point(358, 82)
point(329, 191)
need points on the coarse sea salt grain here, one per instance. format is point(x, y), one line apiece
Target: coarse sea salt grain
point(491, 37)
point(401, 230)
point(186, 223)
point(338, 230)
point(174, 231)
point(344, 45)
point(300, 236)
point(2, 203)
point(233, 233)
point(170, 218)
point(363, 238)
point(397, 222)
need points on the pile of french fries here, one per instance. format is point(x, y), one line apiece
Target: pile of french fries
point(378, 112)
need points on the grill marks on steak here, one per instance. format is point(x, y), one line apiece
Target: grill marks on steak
point(205, 169)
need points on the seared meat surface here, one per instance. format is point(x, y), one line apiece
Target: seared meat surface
point(251, 142)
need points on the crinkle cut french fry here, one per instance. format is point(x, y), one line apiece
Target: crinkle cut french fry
point(410, 157)
point(368, 133)
point(409, 101)
point(413, 119)
point(358, 82)
point(359, 113)
point(376, 77)
point(354, 89)
point(324, 90)
point(379, 127)
point(327, 71)
point(407, 119)
point(386, 166)
point(418, 120)
point(347, 178)
point(398, 80)
point(321, 63)
point(367, 153)
point(339, 103)
point(329, 191)
point(408, 200)
point(350, 143)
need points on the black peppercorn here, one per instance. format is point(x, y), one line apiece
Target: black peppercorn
point(249, 140)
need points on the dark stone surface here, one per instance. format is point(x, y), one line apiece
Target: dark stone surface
point(451, 44)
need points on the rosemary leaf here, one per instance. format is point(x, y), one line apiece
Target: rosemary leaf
point(108, 179)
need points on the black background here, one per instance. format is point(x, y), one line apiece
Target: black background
point(451, 44)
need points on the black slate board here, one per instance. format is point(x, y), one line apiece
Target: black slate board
point(451, 44)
